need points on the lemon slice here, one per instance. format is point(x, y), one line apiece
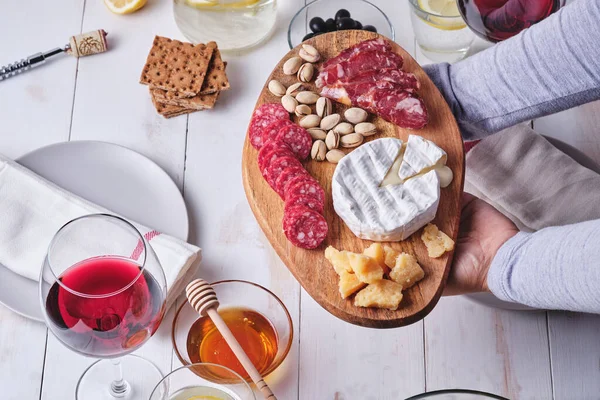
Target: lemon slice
point(443, 8)
point(124, 6)
point(222, 4)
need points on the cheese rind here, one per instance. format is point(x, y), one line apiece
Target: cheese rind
point(420, 155)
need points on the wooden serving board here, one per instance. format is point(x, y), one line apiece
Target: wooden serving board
point(310, 267)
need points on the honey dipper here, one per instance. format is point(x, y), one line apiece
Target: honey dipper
point(79, 46)
point(203, 299)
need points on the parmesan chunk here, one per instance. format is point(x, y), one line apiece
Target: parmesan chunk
point(349, 284)
point(381, 294)
point(437, 242)
point(390, 256)
point(407, 271)
point(375, 251)
point(367, 269)
point(339, 259)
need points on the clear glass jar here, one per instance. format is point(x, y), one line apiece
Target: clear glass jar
point(233, 24)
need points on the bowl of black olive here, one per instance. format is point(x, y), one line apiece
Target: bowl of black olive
point(322, 16)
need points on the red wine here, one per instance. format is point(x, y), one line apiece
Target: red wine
point(497, 20)
point(105, 314)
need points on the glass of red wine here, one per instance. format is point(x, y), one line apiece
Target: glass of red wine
point(497, 20)
point(103, 291)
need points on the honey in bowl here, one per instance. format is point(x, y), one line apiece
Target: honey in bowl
point(253, 331)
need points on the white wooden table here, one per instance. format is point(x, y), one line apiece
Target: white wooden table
point(520, 355)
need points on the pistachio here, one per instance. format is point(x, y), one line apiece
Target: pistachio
point(330, 121)
point(289, 103)
point(291, 66)
point(318, 150)
point(324, 107)
point(334, 156)
point(294, 89)
point(305, 73)
point(332, 140)
point(356, 115)
point(302, 110)
point(365, 128)
point(351, 140)
point(276, 88)
point(317, 134)
point(343, 128)
point(309, 121)
point(309, 53)
point(307, 97)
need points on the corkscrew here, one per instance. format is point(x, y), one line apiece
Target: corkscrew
point(79, 46)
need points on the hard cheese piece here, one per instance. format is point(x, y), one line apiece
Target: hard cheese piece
point(339, 259)
point(407, 271)
point(373, 212)
point(376, 252)
point(390, 256)
point(436, 241)
point(349, 284)
point(367, 269)
point(420, 155)
point(381, 294)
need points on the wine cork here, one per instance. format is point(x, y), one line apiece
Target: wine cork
point(88, 43)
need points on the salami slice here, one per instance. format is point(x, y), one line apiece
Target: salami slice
point(272, 172)
point(304, 227)
point(308, 188)
point(271, 131)
point(297, 138)
point(286, 175)
point(264, 116)
point(296, 179)
point(308, 201)
point(272, 150)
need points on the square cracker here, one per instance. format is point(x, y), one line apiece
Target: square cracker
point(216, 78)
point(176, 66)
point(170, 111)
point(198, 102)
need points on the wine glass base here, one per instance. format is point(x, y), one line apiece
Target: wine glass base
point(141, 375)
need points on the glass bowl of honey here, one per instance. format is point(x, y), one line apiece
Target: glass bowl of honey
point(257, 318)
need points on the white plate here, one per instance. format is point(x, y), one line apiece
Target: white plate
point(111, 176)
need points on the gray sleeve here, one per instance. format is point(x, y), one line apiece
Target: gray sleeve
point(554, 268)
point(553, 66)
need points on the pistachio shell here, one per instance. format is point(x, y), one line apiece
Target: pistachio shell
point(332, 140)
point(289, 103)
point(310, 121)
point(302, 110)
point(276, 88)
point(294, 89)
point(318, 151)
point(343, 128)
point(307, 97)
point(305, 73)
point(334, 156)
point(291, 66)
point(365, 128)
point(317, 133)
point(330, 121)
point(351, 140)
point(324, 107)
point(356, 115)
point(309, 53)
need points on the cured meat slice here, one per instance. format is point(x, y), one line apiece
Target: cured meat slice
point(286, 175)
point(304, 227)
point(356, 64)
point(272, 172)
point(400, 107)
point(348, 92)
point(297, 138)
point(270, 132)
point(308, 188)
point(264, 116)
point(374, 44)
point(298, 178)
point(308, 201)
point(272, 150)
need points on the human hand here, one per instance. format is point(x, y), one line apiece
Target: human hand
point(483, 230)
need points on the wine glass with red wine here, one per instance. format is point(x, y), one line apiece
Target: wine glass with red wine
point(103, 292)
point(497, 20)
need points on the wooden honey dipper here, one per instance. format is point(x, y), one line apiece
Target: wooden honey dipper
point(203, 299)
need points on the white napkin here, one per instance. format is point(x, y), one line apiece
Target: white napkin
point(32, 210)
point(530, 181)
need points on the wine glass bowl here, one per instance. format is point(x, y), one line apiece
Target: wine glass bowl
point(254, 305)
point(102, 292)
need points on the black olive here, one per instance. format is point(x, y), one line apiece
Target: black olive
point(317, 25)
point(370, 28)
point(357, 25)
point(345, 23)
point(330, 23)
point(308, 36)
point(342, 13)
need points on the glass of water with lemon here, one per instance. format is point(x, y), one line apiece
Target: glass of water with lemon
point(233, 24)
point(440, 30)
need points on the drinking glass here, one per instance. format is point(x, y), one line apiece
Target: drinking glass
point(202, 381)
point(102, 292)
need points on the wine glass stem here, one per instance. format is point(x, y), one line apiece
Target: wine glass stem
point(119, 387)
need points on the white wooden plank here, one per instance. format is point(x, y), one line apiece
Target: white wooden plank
point(474, 347)
point(575, 351)
point(110, 104)
point(35, 107)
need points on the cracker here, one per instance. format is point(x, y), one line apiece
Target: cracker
point(176, 66)
point(198, 102)
point(170, 111)
point(216, 78)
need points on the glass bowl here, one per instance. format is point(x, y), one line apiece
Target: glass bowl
point(196, 380)
point(235, 293)
point(369, 13)
point(456, 394)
